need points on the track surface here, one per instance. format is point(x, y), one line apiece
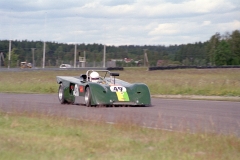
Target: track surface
point(222, 117)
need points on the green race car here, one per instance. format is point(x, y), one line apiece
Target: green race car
point(100, 87)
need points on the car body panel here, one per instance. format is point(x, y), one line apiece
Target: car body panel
point(110, 91)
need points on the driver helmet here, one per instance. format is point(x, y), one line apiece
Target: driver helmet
point(94, 77)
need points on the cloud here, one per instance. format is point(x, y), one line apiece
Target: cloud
point(206, 23)
point(225, 27)
point(165, 29)
point(118, 22)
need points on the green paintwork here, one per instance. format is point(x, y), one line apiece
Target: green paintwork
point(107, 93)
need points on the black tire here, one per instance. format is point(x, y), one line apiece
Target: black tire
point(61, 94)
point(87, 97)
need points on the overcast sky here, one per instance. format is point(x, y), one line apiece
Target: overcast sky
point(118, 22)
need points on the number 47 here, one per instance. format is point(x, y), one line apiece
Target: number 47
point(118, 89)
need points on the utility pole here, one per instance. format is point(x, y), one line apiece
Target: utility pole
point(75, 55)
point(145, 58)
point(9, 55)
point(104, 56)
point(1, 59)
point(33, 59)
point(44, 43)
point(44, 50)
point(84, 55)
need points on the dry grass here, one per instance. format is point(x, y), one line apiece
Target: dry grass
point(34, 136)
point(218, 82)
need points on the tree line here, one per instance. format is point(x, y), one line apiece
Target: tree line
point(217, 51)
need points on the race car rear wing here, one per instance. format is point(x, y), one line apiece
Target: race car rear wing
point(114, 75)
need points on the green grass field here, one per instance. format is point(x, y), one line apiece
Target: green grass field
point(33, 136)
point(217, 82)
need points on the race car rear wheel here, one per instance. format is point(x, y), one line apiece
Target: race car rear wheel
point(88, 97)
point(61, 94)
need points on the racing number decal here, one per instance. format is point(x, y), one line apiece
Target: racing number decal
point(121, 92)
point(118, 89)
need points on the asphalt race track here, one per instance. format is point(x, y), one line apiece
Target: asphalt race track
point(222, 117)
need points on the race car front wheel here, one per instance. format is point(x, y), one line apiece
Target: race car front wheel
point(61, 94)
point(88, 97)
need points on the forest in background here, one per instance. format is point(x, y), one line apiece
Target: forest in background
point(219, 50)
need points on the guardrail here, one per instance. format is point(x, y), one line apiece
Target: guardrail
point(58, 69)
point(189, 67)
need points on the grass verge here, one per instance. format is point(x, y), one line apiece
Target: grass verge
point(33, 136)
point(208, 82)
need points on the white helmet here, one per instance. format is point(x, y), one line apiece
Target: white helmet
point(94, 77)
